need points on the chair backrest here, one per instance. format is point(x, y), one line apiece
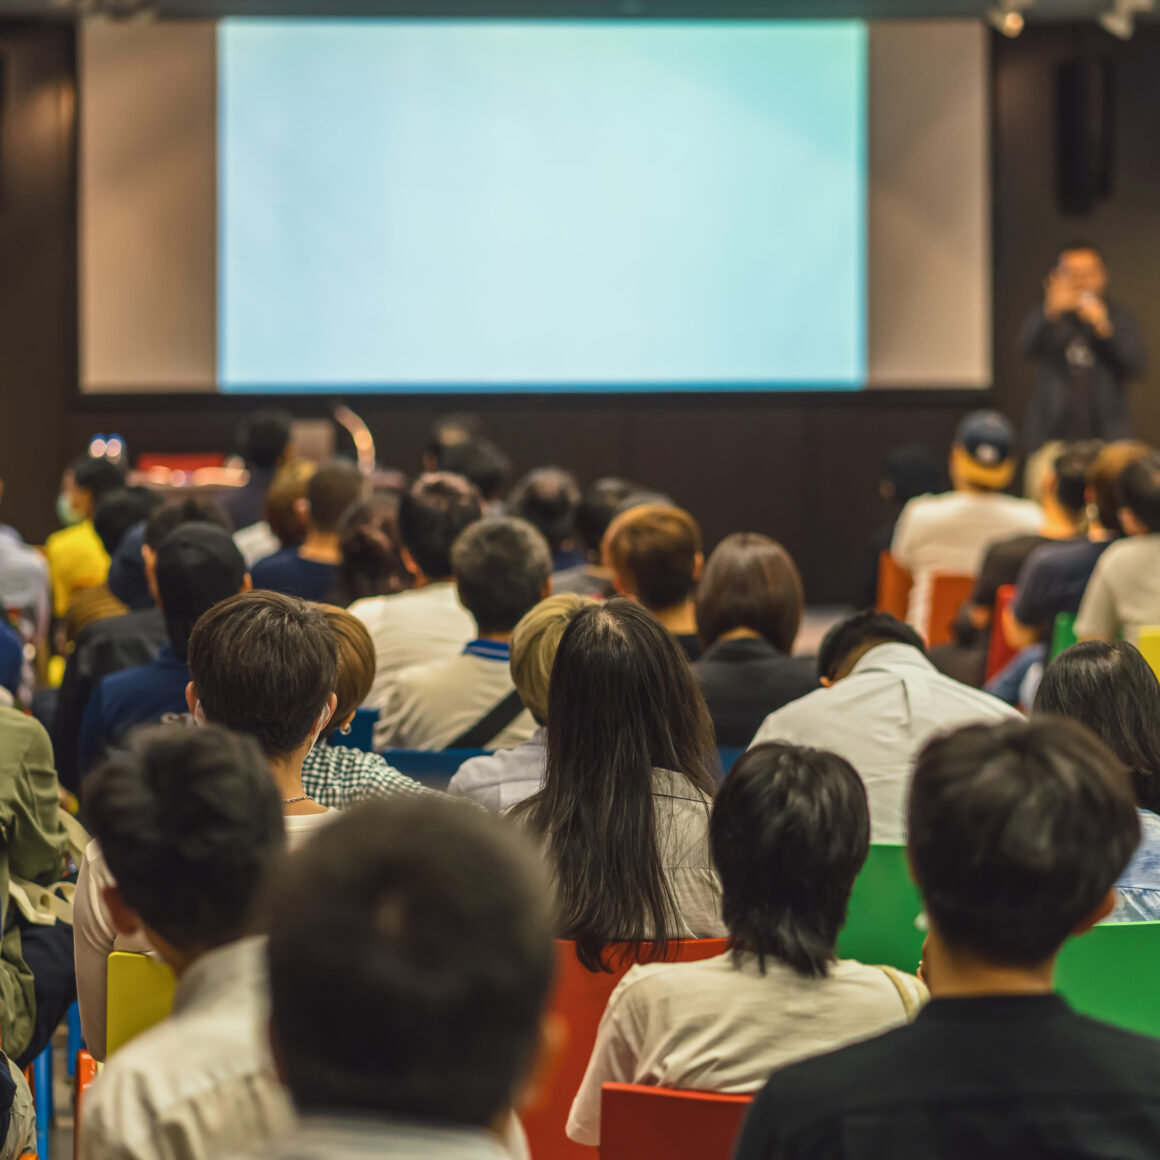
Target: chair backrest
point(641, 1122)
point(882, 927)
point(433, 767)
point(894, 585)
point(1062, 633)
point(578, 1000)
point(948, 593)
point(1111, 973)
point(362, 731)
point(729, 758)
point(140, 994)
point(999, 652)
point(1148, 643)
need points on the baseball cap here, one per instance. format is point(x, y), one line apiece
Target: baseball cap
point(987, 437)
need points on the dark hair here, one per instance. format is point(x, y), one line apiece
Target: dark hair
point(190, 824)
point(428, 917)
point(264, 664)
point(452, 430)
point(356, 662)
point(1140, 490)
point(655, 547)
point(431, 515)
point(98, 477)
point(331, 491)
point(1112, 690)
point(1016, 834)
point(481, 463)
point(790, 831)
point(371, 562)
point(750, 581)
point(264, 437)
point(1071, 474)
point(622, 703)
point(912, 470)
point(548, 498)
point(600, 503)
point(190, 509)
point(501, 567)
point(121, 510)
point(863, 629)
point(1103, 478)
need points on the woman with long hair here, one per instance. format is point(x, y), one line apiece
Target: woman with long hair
point(372, 562)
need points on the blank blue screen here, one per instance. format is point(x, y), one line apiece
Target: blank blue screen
point(510, 205)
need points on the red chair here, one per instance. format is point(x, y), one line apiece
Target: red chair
point(579, 999)
point(894, 585)
point(948, 593)
point(999, 652)
point(86, 1073)
point(641, 1122)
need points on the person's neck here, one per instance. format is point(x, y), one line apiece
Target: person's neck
point(422, 580)
point(287, 773)
point(1058, 524)
point(1098, 534)
point(740, 634)
point(497, 637)
point(680, 620)
point(955, 975)
point(321, 547)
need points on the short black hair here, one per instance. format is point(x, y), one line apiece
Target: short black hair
point(1016, 834)
point(600, 503)
point(479, 461)
point(548, 498)
point(500, 567)
point(190, 509)
point(121, 510)
point(431, 917)
point(264, 664)
point(431, 515)
point(264, 437)
point(790, 831)
point(97, 476)
point(331, 491)
point(859, 630)
point(190, 824)
point(1140, 490)
point(1071, 474)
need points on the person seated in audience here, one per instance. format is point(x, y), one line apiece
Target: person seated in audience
point(427, 622)
point(284, 525)
point(122, 642)
point(599, 505)
point(499, 780)
point(482, 463)
point(1112, 690)
point(195, 567)
point(502, 569)
point(436, 969)
point(447, 432)
point(190, 827)
point(789, 832)
point(654, 554)
point(265, 442)
point(749, 609)
point(1018, 833)
point(11, 664)
point(950, 533)
point(310, 572)
point(372, 556)
point(623, 816)
point(882, 701)
point(1123, 594)
point(23, 581)
point(549, 499)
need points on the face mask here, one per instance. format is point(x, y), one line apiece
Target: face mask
point(65, 512)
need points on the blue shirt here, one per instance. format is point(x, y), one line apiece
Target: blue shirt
point(139, 696)
point(1139, 885)
point(290, 574)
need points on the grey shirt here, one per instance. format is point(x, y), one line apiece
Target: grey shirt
point(505, 778)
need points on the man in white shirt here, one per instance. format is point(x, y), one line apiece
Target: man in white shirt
point(190, 823)
point(426, 623)
point(882, 701)
point(950, 533)
point(502, 570)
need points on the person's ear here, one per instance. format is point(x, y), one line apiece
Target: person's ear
point(247, 583)
point(149, 559)
point(547, 589)
point(302, 509)
point(825, 682)
point(124, 917)
point(1106, 906)
point(408, 561)
point(545, 1062)
point(698, 566)
point(1130, 523)
point(191, 697)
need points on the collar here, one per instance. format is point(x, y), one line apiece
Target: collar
point(222, 970)
point(1003, 1007)
point(488, 650)
point(890, 658)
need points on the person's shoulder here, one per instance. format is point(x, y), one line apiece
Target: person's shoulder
point(979, 704)
point(275, 561)
point(21, 734)
point(646, 983)
point(1134, 1054)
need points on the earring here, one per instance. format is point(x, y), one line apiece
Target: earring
point(345, 730)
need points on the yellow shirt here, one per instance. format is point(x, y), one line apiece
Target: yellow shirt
point(76, 559)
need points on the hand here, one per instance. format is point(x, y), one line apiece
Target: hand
point(1094, 311)
point(1060, 295)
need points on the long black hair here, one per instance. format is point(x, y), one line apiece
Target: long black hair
point(1112, 690)
point(621, 703)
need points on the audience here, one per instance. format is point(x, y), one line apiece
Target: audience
point(265, 442)
point(950, 533)
point(623, 816)
point(882, 701)
point(372, 558)
point(483, 464)
point(190, 827)
point(549, 499)
point(749, 608)
point(126, 579)
point(654, 554)
point(600, 503)
point(790, 832)
point(1018, 834)
point(502, 568)
point(500, 780)
point(311, 571)
point(285, 512)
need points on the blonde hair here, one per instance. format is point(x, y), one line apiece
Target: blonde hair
point(533, 648)
point(356, 662)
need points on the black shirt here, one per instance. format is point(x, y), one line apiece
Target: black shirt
point(689, 644)
point(1053, 580)
point(996, 1078)
point(746, 680)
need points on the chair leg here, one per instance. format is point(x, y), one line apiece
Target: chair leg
point(76, 1039)
point(42, 1097)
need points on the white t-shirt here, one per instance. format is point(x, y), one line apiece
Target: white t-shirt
point(714, 1026)
point(1123, 594)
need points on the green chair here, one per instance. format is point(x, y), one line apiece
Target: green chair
point(1063, 633)
point(1113, 973)
point(883, 927)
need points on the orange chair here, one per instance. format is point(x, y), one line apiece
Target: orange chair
point(86, 1073)
point(894, 585)
point(579, 999)
point(948, 593)
point(999, 652)
point(638, 1122)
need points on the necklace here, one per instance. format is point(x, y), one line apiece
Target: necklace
point(293, 801)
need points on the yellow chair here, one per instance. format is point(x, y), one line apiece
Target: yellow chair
point(1149, 644)
point(140, 994)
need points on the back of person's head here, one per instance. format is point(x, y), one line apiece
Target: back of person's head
point(264, 438)
point(654, 551)
point(850, 639)
point(598, 506)
point(121, 510)
point(431, 515)
point(1103, 479)
point(983, 452)
point(265, 664)
point(1140, 494)
point(1070, 474)
point(450, 431)
point(481, 463)
point(97, 477)
point(190, 825)
point(372, 562)
point(424, 924)
point(1017, 835)
point(750, 581)
point(790, 831)
point(622, 703)
point(533, 649)
point(909, 471)
point(190, 509)
point(1110, 688)
point(501, 569)
point(331, 491)
point(356, 663)
point(286, 503)
point(196, 567)
point(548, 498)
